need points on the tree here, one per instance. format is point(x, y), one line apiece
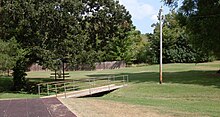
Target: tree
point(201, 18)
point(10, 52)
point(106, 23)
point(133, 45)
point(176, 46)
point(77, 31)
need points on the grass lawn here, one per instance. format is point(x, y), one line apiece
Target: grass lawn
point(187, 89)
point(5, 96)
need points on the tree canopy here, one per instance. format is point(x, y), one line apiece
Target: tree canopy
point(10, 52)
point(77, 31)
point(176, 45)
point(201, 18)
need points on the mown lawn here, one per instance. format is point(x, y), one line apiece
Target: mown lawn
point(187, 88)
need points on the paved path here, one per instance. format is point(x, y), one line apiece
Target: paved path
point(48, 107)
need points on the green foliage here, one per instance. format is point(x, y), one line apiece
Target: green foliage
point(77, 31)
point(201, 18)
point(10, 52)
point(107, 24)
point(19, 81)
point(176, 46)
point(144, 55)
point(5, 84)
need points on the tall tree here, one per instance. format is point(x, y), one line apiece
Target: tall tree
point(201, 18)
point(10, 52)
point(74, 31)
point(107, 23)
point(176, 46)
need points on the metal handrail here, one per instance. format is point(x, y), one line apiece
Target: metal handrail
point(89, 83)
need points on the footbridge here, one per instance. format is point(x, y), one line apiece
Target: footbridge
point(82, 87)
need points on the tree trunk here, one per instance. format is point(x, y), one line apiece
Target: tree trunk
point(63, 72)
point(19, 75)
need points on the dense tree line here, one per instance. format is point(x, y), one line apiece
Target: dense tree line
point(176, 44)
point(190, 35)
point(201, 19)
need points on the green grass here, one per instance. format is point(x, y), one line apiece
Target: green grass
point(187, 88)
point(16, 96)
point(6, 93)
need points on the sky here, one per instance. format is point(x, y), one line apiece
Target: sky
point(144, 13)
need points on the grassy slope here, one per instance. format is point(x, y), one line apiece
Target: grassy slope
point(187, 88)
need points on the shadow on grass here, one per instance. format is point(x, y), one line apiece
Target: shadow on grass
point(204, 78)
point(40, 80)
point(6, 84)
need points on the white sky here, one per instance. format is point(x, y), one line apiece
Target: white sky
point(144, 13)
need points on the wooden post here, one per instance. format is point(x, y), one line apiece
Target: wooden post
point(161, 57)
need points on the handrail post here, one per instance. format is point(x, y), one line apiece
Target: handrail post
point(89, 87)
point(56, 89)
point(65, 89)
point(48, 92)
point(127, 79)
point(39, 89)
point(73, 84)
point(109, 83)
point(123, 80)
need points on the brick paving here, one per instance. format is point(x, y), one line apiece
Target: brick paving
point(48, 107)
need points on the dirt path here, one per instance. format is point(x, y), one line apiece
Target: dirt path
point(87, 107)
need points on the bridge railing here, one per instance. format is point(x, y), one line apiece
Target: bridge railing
point(63, 87)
